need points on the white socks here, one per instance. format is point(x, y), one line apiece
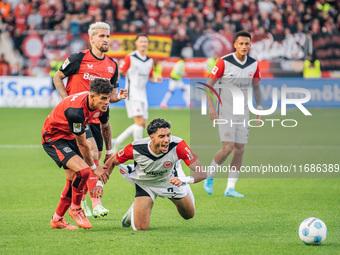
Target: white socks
point(138, 132)
point(126, 134)
point(212, 169)
point(186, 95)
point(166, 97)
point(232, 179)
point(135, 130)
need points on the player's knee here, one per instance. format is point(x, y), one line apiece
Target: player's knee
point(239, 150)
point(142, 227)
point(189, 215)
point(227, 149)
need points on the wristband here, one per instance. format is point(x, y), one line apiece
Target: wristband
point(93, 167)
point(259, 107)
point(187, 179)
point(109, 152)
point(118, 96)
point(99, 183)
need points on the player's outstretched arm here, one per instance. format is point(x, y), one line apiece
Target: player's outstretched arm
point(198, 175)
point(58, 82)
point(116, 97)
point(109, 165)
point(86, 153)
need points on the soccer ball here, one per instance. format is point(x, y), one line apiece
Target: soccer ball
point(312, 231)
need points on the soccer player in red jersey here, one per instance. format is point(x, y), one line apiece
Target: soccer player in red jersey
point(81, 68)
point(235, 71)
point(137, 68)
point(64, 140)
point(156, 173)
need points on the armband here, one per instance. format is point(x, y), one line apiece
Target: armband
point(109, 152)
point(187, 180)
point(100, 184)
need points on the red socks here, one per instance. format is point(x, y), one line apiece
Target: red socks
point(78, 185)
point(65, 199)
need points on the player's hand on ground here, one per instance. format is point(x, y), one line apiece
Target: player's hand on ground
point(259, 117)
point(101, 173)
point(97, 192)
point(175, 181)
point(213, 113)
point(123, 93)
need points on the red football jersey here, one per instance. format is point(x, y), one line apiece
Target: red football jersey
point(70, 117)
point(83, 67)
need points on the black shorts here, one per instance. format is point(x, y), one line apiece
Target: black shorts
point(141, 192)
point(93, 130)
point(61, 151)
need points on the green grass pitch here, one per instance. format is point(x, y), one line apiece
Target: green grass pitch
point(266, 221)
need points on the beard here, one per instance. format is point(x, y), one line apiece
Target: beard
point(104, 48)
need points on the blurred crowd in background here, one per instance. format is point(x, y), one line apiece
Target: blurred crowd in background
point(184, 20)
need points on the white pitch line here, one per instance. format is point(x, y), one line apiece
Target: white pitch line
point(317, 147)
point(20, 146)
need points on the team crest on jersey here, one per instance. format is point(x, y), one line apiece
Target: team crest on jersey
point(96, 115)
point(76, 127)
point(250, 74)
point(67, 149)
point(110, 69)
point(121, 171)
point(167, 164)
point(65, 64)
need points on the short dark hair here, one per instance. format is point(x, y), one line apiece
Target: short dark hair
point(156, 124)
point(141, 35)
point(101, 86)
point(242, 33)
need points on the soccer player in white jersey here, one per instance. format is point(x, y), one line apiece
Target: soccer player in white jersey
point(137, 68)
point(155, 173)
point(234, 71)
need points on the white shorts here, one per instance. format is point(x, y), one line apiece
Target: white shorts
point(165, 190)
point(236, 130)
point(176, 84)
point(137, 108)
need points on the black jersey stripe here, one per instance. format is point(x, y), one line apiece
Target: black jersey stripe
point(143, 150)
point(230, 58)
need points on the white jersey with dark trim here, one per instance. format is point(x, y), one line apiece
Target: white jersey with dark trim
point(152, 169)
point(231, 72)
point(138, 70)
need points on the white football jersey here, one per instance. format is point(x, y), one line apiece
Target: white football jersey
point(231, 72)
point(154, 169)
point(138, 71)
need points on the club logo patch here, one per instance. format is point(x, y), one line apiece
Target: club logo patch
point(167, 164)
point(65, 64)
point(110, 69)
point(122, 171)
point(250, 74)
point(96, 115)
point(76, 127)
point(67, 149)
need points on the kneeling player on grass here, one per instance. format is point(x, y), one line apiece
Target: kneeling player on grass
point(64, 140)
point(155, 173)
